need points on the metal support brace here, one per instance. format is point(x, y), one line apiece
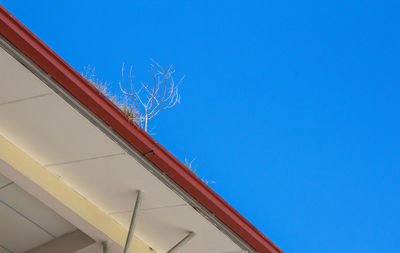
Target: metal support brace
point(106, 247)
point(133, 222)
point(180, 244)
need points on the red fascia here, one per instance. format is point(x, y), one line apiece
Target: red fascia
point(29, 44)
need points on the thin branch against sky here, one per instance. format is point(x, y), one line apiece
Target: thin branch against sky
point(148, 99)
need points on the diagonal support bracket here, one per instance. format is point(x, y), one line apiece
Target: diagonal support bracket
point(106, 247)
point(133, 222)
point(182, 242)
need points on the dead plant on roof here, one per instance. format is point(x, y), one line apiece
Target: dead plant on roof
point(148, 99)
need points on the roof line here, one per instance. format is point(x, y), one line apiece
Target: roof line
point(36, 50)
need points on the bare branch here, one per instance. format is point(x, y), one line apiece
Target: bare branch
point(148, 100)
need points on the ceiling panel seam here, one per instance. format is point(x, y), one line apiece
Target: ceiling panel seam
point(147, 209)
point(4, 186)
point(6, 249)
point(27, 218)
point(27, 98)
point(83, 160)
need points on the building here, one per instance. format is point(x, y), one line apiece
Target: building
point(77, 176)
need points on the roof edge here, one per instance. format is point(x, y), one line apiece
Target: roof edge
point(36, 50)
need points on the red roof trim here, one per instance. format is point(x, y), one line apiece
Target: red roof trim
point(21, 37)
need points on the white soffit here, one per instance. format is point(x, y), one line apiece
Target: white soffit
point(13, 72)
point(53, 133)
point(117, 178)
point(20, 234)
point(25, 222)
point(4, 250)
point(4, 181)
point(36, 211)
point(170, 225)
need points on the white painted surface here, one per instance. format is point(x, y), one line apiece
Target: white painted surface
point(58, 207)
point(68, 243)
point(13, 74)
point(35, 210)
point(170, 225)
point(112, 183)
point(52, 132)
point(25, 222)
point(3, 250)
point(17, 233)
point(4, 181)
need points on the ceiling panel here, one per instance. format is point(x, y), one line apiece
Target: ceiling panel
point(112, 183)
point(52, 132)
point(13, 77)
point(35, 210)
point(3, 249)
point(17, 233)
point(25, 222)
point(163, 228)
point(4, 181)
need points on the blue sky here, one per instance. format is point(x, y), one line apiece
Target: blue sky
point(292, 107)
